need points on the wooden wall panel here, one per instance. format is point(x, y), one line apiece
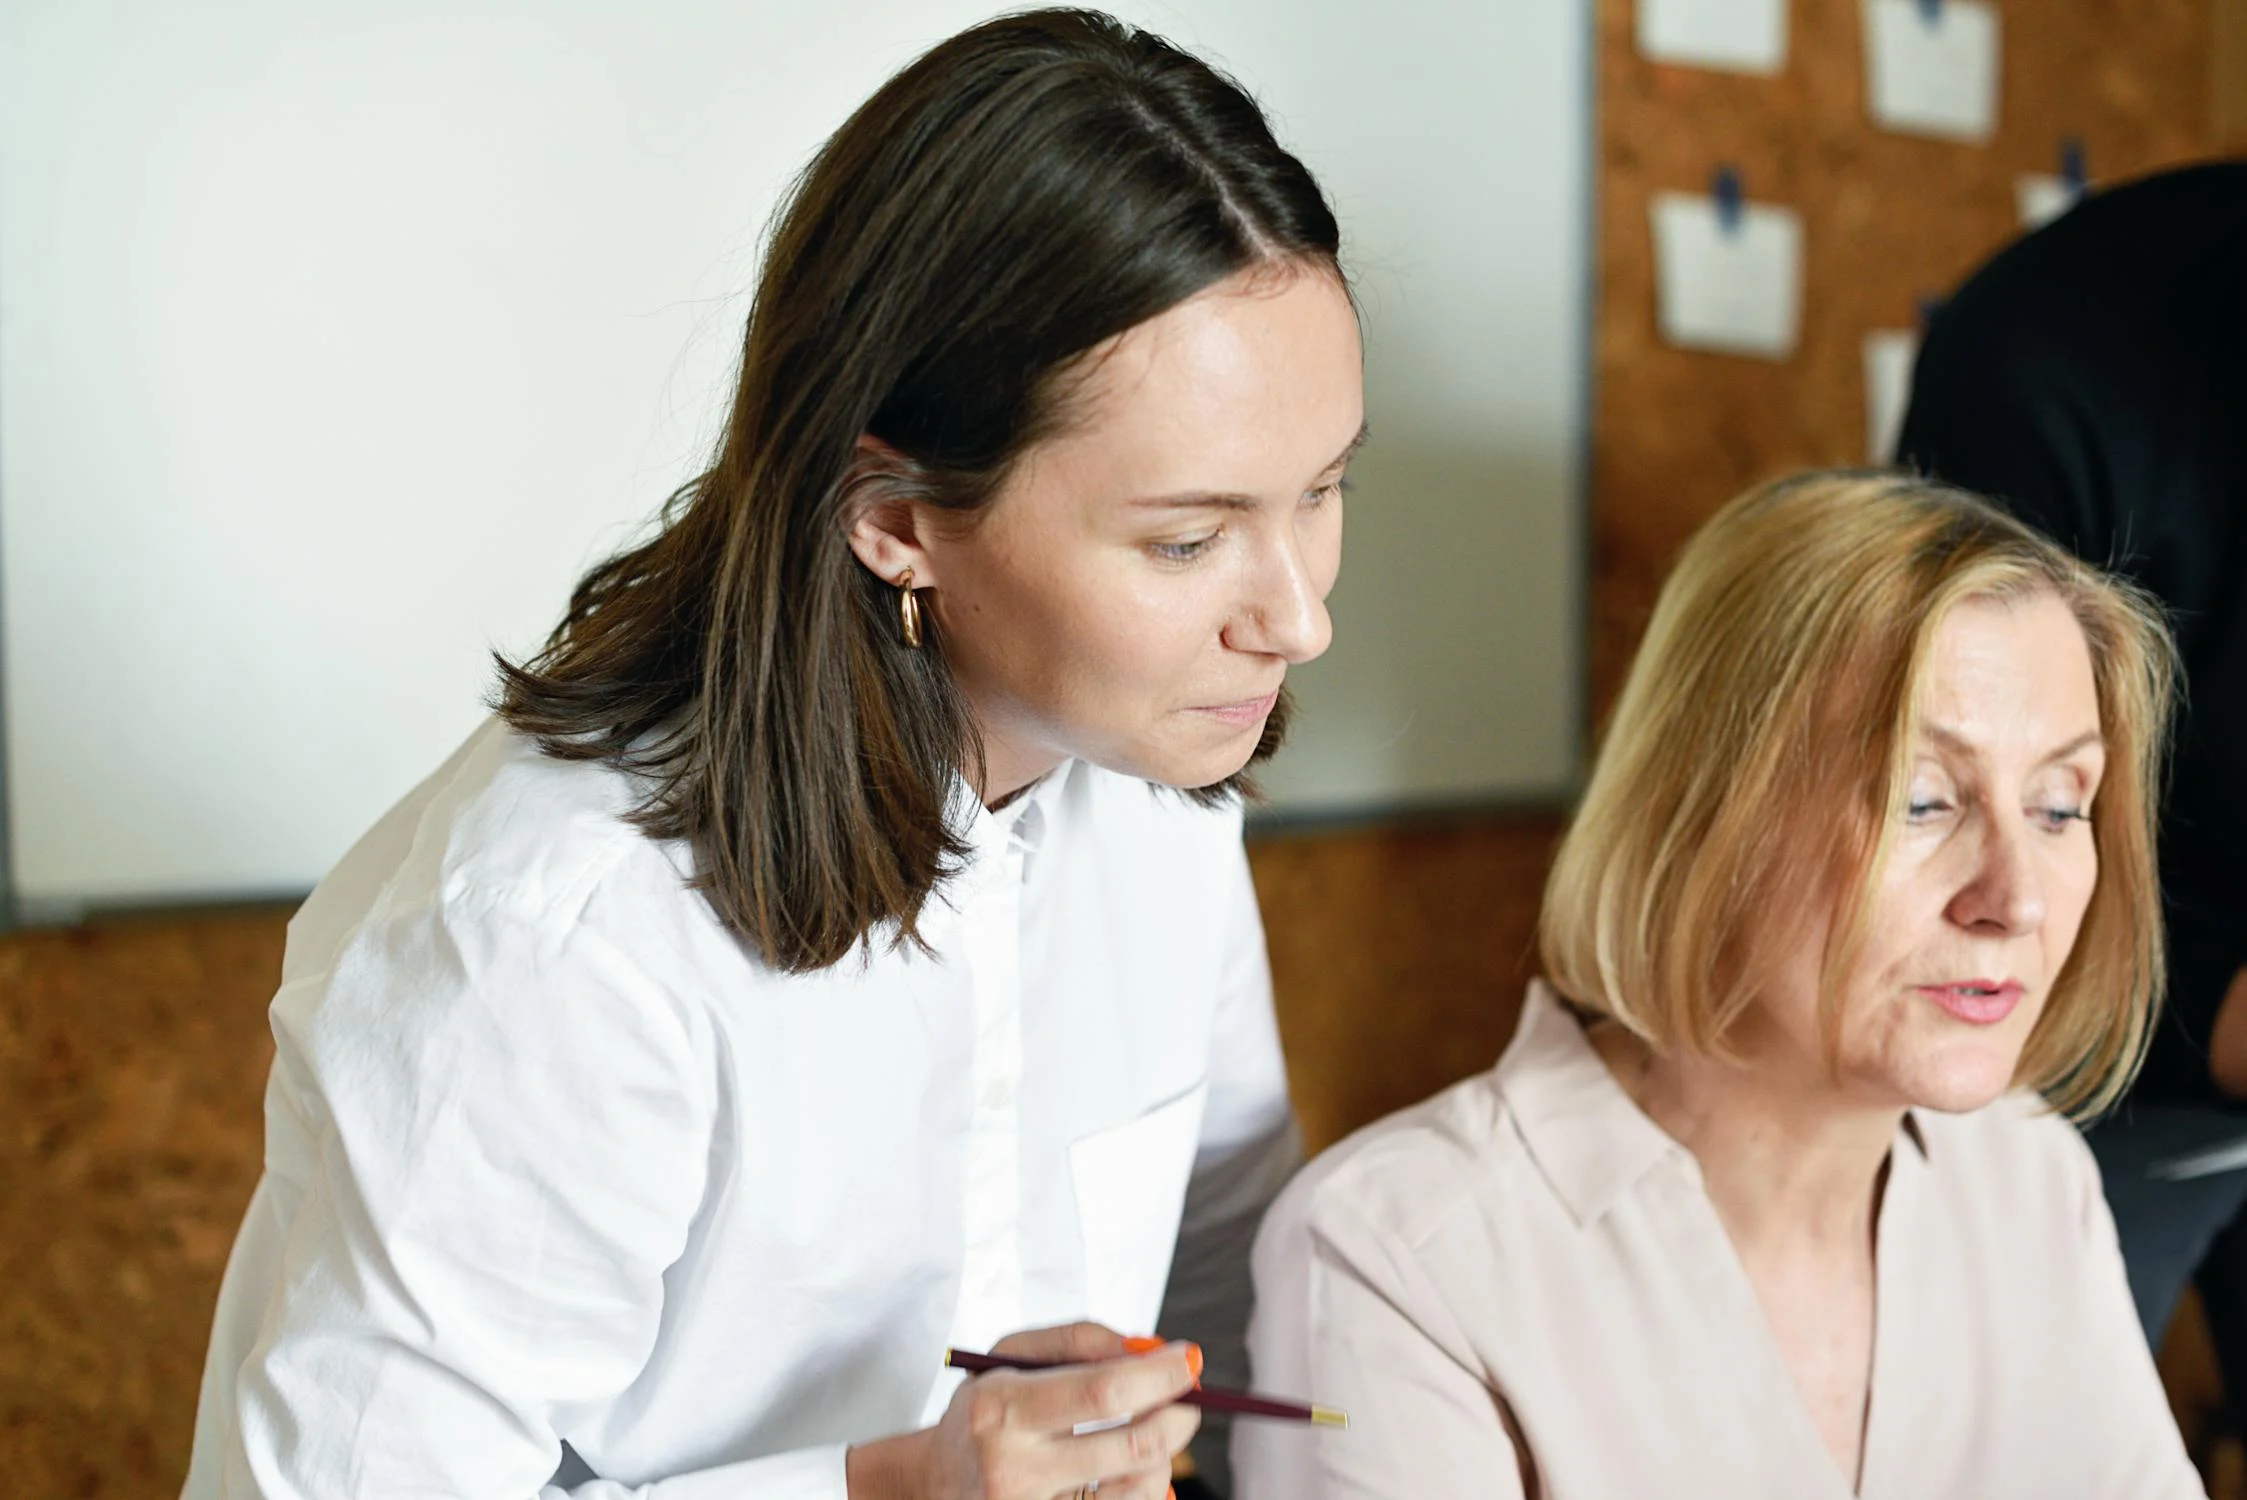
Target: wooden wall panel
point(1399, 957)
point(1888, 219)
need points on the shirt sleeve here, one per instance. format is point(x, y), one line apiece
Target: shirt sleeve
point(2132, 1437)
point(1249, 1148)
point(509, 1133)
point(1346, 1318)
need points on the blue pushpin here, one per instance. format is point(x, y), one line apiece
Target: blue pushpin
point(1931, 12)
point(1726, 191)
point(2072, 171)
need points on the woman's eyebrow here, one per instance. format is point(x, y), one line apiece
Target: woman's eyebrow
point(2083, 741)
point(1958, 743)
point(1365, 430)
point(1195, 499)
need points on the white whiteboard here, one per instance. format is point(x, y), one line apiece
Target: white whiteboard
point(336, 341)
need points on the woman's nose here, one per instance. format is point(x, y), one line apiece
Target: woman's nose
point(2006, 892)
point(1285, 613)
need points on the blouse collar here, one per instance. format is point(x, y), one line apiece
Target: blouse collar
point(1588, 1137)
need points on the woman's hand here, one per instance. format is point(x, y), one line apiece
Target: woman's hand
point(1010, 1434)
point(2227, 1042)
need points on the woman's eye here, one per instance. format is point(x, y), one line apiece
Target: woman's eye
point(2056, 819)
point(1926, 809)
point(1185, 551)
point(1326, 492)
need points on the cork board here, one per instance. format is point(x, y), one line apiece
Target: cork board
point(2229, 105)
point(1887, 219)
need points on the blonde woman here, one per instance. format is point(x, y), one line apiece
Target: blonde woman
point(1772, 1194)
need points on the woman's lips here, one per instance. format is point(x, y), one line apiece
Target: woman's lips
point(1242, 714)
point(1979, 1002)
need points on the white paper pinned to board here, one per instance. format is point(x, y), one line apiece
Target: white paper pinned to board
point(1933, 67)
point(1735, 289)
point(1889, 353)
point(1739, 36)
point(2041, 197)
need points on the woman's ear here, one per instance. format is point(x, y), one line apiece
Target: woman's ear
point(882, 522)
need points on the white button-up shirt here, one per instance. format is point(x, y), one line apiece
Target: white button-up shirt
point(552, 1158)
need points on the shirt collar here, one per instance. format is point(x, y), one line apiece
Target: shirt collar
point(1588, 1137)
point(1021, 827)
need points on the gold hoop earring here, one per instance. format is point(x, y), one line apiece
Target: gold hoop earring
point(909, 611)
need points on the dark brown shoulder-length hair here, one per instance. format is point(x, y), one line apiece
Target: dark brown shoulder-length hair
point(1019, 195)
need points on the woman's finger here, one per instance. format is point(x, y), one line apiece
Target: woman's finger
point(1062, 1400)
point(1125, 1456)
point(1067, 1344)
point(1154, 1486)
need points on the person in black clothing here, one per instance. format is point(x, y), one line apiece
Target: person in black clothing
point(2093, 379)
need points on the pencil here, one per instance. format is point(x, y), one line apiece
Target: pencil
point(1208, 1398)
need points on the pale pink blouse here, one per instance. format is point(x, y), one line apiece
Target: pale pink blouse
point(1527, 1258)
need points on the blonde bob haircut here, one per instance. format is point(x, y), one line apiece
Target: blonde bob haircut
point(1760, 756)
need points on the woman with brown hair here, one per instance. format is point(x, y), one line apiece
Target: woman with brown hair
point(840, 946)
point(1771, 1195)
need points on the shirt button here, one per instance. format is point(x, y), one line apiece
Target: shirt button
point(998, 1094)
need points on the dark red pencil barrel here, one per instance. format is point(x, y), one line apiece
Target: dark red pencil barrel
point(1215, 1399)
point(1209, 1398)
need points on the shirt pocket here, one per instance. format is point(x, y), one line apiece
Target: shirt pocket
point(1131, 1188)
